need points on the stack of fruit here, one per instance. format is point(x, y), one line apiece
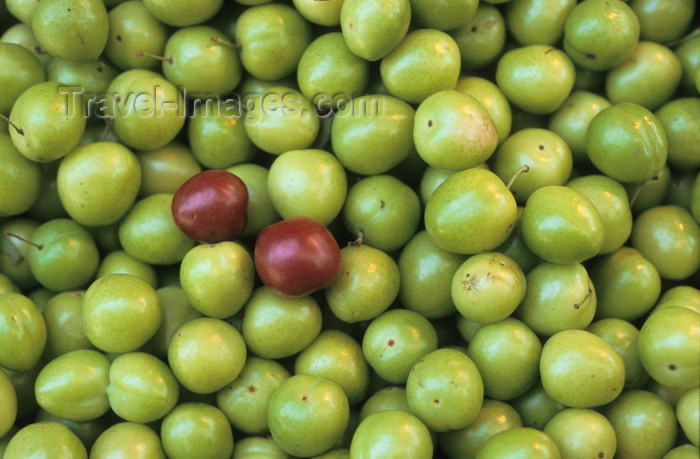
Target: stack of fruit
point(349, 228)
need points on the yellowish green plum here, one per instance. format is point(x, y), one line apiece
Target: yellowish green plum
point(520, 442)
point(388, 398)
point(128, 439)
point(668, 347)
point(9, 397)
point(537, 22)
point(133, 29)
point(21, 69)
point(258, 446)
point(425, 62)
point(326, 13)
point(175, 310)
point(472, 211)
point(391, 434)
point(482, 39)
point(21, 179)
point(624, 337)
point(367, 285)
point(395, 341)
point(536, 78)
point(45, 439)
point(454, 131)
point(371, 29)
point(217, 135)
point(581, 370)
point(536, 407)
point(644, 424)
point(308, 414)
point(23, 330)
point(685, 451)
point(688, 415)
point(506, 354)
point(73, 386)
point(181, 13)
point(196, 429)
point(64, 324)
point(246, 399)
point(493, 100)
point(680, 119)
point(656, 16)
point(120, 262)
point(581, 432)
point(261, 211)
point(451, 15)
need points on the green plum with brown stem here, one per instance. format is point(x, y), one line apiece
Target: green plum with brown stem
point(13, 251)
point(133, 29)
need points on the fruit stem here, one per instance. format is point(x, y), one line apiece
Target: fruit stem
point(216, 39)
point(360, 239)
point(109, 120)
point(17, 128)
point(639, 189)
point(169, 60)
point(585, 298)
point(12, 251)
point(17, 236)
point(682, 40)
point(523, 169)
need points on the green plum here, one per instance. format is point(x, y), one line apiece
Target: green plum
point(337, 357)
point(601, 34)
point(488, 287)
point(493, 100)
point(680, 295)
point(610, 200)
point(23, 332)
point(649, 77)
point(395, 341)
point(45, 439)
point(685, 451)
point(367, 285)
point(21, 34)
point(465, 443)
point(514, 247)
point(546, 156)
point(47, 124)
point(21, 70)
point(472, 211)
point(649, 193)
point(307, 414)
point(218, 137)
point(581, 370)
point(81, 180)
point(133, 29)
point(141, 387)
point(148, 232)
point(20, 9)
point(206, 354)
point(388, 398)
point(688, 415)
point(120, 313)
point(8, 395)
point(680, 119)
point(121, 262)
point(21, 179)
point(383, 211)
point(275, 327)
point(374, 134)
point(644, 424)
point(217, 278)
point(669, 237)
point(88, 77)
point(246, 399)
point(536, 78)
point(689, 54)
point(199, 64)
point(74, 30)
point(537, 22)
point(329, 72)
point(182, 13)
point(426, 271)
point(326, 13)
point(482, 39)
point(624, 337)
point(391, 434)
point(281, 119)
point(64, 255)
point(507, 354)
point(426, 61)
point(272, 39)
point(73, 386)
point(627, 284)
point(562, 225)
point(261, 211)
point(263, 447)
point(454, 131)
point(307, 183)
point(371, 29)
point(175, 311)
point(581, 432)
point(445, 390)
point(571, 120)
point(536, 407)
point(668, 347)
point(451, 15)
point(196, 430)
point(520, 442)
point(655, 18)
point(128, 440)
point(64, 324)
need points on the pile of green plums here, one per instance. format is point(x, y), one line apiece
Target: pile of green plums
point(513, 186)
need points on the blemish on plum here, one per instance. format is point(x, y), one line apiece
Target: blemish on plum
point(382, 204)
point(304, 398)
point(601, 454)
point(251, 389)
point(390, 343)
point(474, 29)
point(119, 38)
point(430, 123)
point(436, 401)
point(672, 367)
point(541, 147)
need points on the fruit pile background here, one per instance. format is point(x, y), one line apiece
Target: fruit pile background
point(409, 229)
